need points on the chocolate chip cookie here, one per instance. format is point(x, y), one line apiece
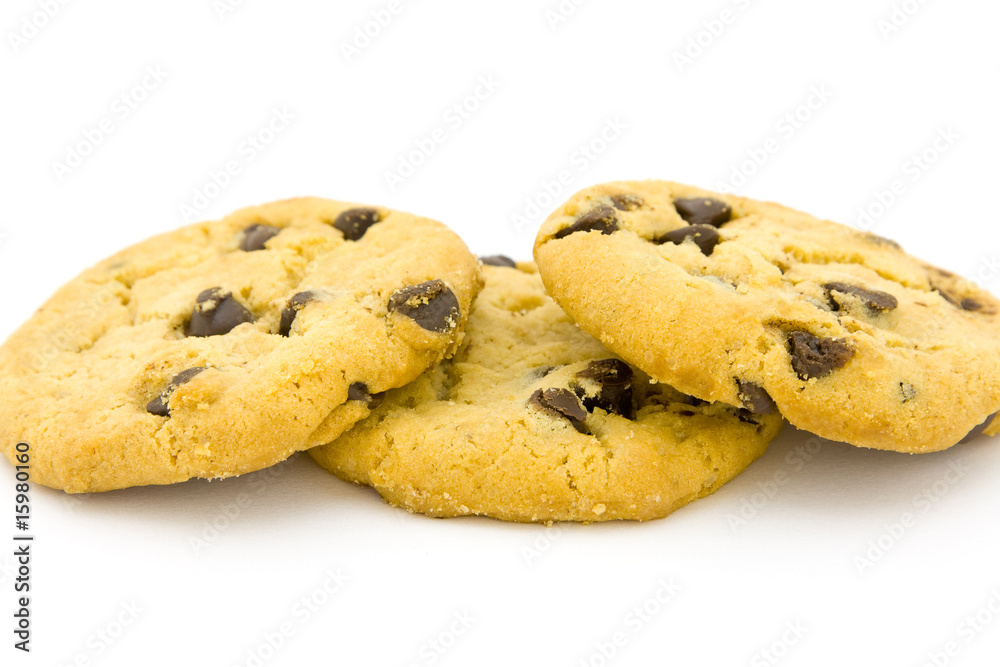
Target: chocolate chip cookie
point(534, 420)
point(226, 346)
point(754, 304)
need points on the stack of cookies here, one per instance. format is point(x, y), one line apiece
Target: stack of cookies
point(648, 358)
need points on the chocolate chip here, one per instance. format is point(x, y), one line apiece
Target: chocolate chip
point(255, 236)
point(614, 377)
point(498, 260)
point(216, 313)
point(295, 304)
point(431, 305)
point(560, 403)
point(971, 304)
point(353, 223)
point(948, 296)
point(358, 391)
point(704, 211)
point(874, 299)
point(881, 240)
point(705, 237)
point(976, 432)
point(186, 375)
point(952, 293)
point(607, 372)
point(602, 219)
point(816, 357)
point(968, 304)
point(696, 402)
point(627, 201)
point(755, 398)
point(746, 416)
point(159, 405)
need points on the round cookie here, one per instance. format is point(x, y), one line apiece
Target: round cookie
point(750, 303)
point(224, 347)
point(534, 420)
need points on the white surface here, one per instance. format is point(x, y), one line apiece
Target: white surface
point(536, 595)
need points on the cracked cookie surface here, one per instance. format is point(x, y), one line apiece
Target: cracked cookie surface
point(754, 304)
point(535, 420)
point(224, 347)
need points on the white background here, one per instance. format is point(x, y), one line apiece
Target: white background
point(810, 541)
